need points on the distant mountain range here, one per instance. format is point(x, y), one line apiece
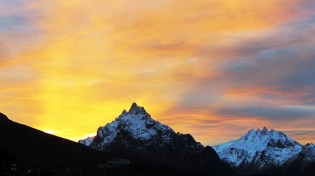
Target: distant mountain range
point(257, 152)
point(135, 136)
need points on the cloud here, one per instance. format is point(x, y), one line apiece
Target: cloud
point(8, 8)
point(301, 135)
point(269, 113)
point(284, 73)
point(13, 23)
point(263, 80)
point(195, 63)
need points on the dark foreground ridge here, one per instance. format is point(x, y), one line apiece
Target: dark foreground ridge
point(32, 146)
point(29, 149)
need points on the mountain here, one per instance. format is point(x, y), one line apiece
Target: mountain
point(266, 152)
point(136, 132)
point(301, 161)
point(36, 148)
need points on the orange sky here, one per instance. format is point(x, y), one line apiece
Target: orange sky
point(212, 68)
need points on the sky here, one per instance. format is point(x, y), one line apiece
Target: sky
point(211, 68)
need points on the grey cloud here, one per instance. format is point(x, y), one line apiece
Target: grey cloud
point(281, 113)
point(13, 23)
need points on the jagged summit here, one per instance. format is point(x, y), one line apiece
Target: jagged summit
point(260, 148)
point(136, 109)
point(136, 122)
point(264, 131)
point(136, 128)
point(260, 139)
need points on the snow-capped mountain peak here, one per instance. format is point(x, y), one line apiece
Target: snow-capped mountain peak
point(135, 132)
point(259, 140)
point(258, 146)
point(137, 124)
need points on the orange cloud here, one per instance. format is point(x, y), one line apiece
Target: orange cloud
point(86, 61)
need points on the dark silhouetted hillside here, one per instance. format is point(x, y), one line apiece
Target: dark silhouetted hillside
point(34, 147)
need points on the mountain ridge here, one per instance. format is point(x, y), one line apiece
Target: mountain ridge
point(44, 150)
point(136, 132)
point(4, 118)
point(264, 152)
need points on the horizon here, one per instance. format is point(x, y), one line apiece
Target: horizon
point(52, 132)
point(211, 68)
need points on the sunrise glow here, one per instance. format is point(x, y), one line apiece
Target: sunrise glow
point(50, 131)
point(211, 68)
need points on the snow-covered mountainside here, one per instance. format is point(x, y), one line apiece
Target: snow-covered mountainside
point(138, 125)
point(299, 162)
point(87, 141)
point(258, 151)
point(137, 133)
point(308, 153)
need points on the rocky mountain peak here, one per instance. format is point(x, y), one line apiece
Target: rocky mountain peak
point(261, 148)
point(135, 109)
point(265, 131)
point(135, 124)
point(136, 132)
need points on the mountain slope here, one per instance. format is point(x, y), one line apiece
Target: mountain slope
point(136, 132)
point(259, 151)
point(37, 148)
point(309, 170)
point(302, 160)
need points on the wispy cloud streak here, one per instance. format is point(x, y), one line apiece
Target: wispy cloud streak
point(211, 68)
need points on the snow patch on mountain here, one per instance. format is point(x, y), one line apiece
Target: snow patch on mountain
point(136, 121)
point(307, 155)
point(309, 152)
point(259, 146)
point(87, 141)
